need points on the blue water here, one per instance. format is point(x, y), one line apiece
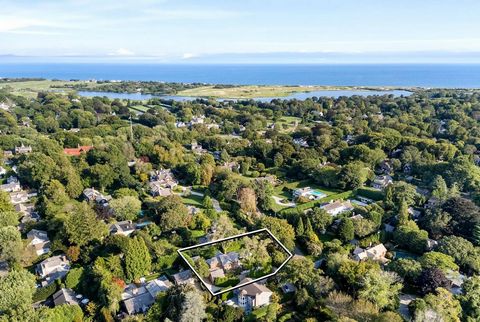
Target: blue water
point(299, 96)
point(424, 75)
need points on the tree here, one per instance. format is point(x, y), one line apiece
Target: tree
point(172, 213)
point(436, 307)
point(16, 291)
point(411, 237)
point(403, 215)
point(10, 244)
point(126, 208)
point(264, 192)
point(353, 175)
point(470, 299)
point(346, 230)
point(5, 204)
point(254, 252)
point(462, 251)
point(207, 202)
point(464, 213)
point(74, 277)
point(281, 229)
point(137, 259)
point(476, 234)
point(430, 279)
point(380, 288)
point(438, 260)
point(178, 306)
point(62, 313)
point(320, 219)
point(407, 268)
point(300, 230)
point(278, 159)
point(439, 188)
point(247, 199)
point(82, 226)
point(193, 307)
point(8, 218)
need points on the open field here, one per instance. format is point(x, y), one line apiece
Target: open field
point(254, 91)
point(31, 88)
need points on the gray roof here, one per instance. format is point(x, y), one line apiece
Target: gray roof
point(65, 296)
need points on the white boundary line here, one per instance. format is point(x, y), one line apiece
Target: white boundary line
point(290, 255)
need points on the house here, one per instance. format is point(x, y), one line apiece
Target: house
point(414, 213)
point(385, 167)
point(65, 296)
point(28, 212)
point(216, 273)
point(301, 142)
point(197, 148)
point(184, 277)
point(19, 197)
point(375, 253)
point(336, 207)
point(232, 166)
point(381, 182)
point(137, 299)
point(53, 268)
point(431, 244)
point(11, 187)
point(288, 288)
point(3, 171)
point(226, 261)
point(308, 193)
point(91, 194)
point(157, 189)
point(78, 150)
point(253, 295)
point(432, 203)
point(23, 149)
point(456, 282)
point(39, 241)
point(124, 228)
point(270, 179)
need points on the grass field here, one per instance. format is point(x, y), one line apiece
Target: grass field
point(31, 88)
point(252, 91)
point(193, 200)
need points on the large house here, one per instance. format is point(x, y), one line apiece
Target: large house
point(377, 253)
point(11, 187)
point(78, 150)
point(137, 299)
point(253, 295)
point(38, 239)
point(336, 207)
point(124, 228)
point(381, 182)
point(221, 263)
point(308, 193)
point(92, 195)
point(53, 268)
point(183, 277)
point(162, 182)
point(23, 149)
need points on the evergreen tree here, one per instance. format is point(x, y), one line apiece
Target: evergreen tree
point(346, 230)
point(300, 228)
point(439, 188)
point(476, 234)
point(403, 215)
point(137, 259)
point(309, 228)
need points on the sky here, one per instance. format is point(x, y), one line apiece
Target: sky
point(242, 31)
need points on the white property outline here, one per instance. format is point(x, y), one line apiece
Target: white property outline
point(290, 255)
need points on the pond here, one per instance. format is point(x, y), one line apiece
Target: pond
point(299, 95)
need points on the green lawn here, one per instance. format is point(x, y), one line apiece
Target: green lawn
point(30, 89)
point(193, 200)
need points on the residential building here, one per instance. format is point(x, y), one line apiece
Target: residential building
point(92, 195)
point(3, 171)
point(137, 299)
point(377, 252)
point(381, 182)
point(65, 296)
point(157, 189)
point(11, 187)
point(228, 261)
point(53, 268)
point(252, 295)
point(23, 149)
point(184, 277)
point(308, 193)
point(19, 197)
point(38, 239)
point(124, 228)
point(337, 207)
point(78, 150)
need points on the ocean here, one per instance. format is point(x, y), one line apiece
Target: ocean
point(397, 75)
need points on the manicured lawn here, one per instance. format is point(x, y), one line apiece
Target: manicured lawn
point(197, 233)
point(193, 200)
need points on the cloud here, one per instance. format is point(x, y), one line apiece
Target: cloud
point(122, 52)
point(12, 24)
point(189, 56)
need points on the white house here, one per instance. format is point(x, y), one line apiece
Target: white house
point(53, 268)
point(39, 241)
point(253, 295)
point(336, 207)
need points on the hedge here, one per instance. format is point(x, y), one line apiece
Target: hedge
point(43, 293)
